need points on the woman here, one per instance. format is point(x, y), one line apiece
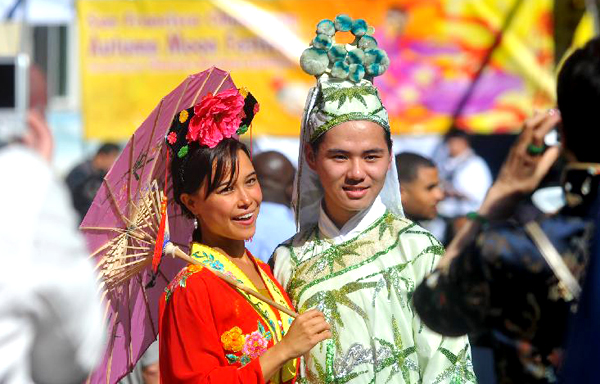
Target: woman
point(209, 331)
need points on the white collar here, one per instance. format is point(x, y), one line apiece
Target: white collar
point(354, 226)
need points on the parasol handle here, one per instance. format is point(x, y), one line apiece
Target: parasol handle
point(173, 250)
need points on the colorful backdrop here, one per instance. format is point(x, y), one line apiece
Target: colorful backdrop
point(134, 52)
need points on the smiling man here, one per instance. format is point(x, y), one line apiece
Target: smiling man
point(356, 257)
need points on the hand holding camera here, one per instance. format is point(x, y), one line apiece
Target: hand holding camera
point(17, 122)
point(528, 161)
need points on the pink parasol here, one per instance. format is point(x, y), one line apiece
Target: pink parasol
point(122, 224)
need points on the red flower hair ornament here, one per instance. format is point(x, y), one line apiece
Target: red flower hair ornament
point(216, 117)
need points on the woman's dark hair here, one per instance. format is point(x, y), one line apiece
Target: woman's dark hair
point(578, 95)
point(203, 163)
point(317, 142)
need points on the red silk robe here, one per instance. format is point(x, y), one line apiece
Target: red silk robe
point(213, 333)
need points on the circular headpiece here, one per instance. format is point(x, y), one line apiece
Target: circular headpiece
point(355, 61)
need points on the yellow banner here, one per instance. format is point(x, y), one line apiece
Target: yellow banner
point(135, 52)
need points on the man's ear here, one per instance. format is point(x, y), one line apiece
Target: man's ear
point(310, 156)
point(403, 190)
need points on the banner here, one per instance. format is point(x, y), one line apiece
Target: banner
point(134, 52)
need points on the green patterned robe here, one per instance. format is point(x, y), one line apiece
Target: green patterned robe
point(363, 286)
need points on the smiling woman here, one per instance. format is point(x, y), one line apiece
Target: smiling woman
point(210, 331)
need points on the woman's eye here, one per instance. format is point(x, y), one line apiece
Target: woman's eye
point(252, 181)
point(226, 190)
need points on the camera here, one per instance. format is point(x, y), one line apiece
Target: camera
point(552, 138)
point(14, 96)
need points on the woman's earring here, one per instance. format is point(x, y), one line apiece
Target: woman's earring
point(195, 223)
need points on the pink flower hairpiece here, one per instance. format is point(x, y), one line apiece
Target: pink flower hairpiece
point(216, 117)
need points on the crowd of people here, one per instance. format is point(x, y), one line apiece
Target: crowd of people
point(348, 280)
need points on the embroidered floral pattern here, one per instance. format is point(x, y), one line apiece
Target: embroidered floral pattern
point(209, 260)
point(252, 345)
point(233, 340)
point(180, 279)
point(256, 345)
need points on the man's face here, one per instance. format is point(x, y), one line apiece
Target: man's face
point(456, 146)
point(103, 161)
point(351, 162)
point(421, 196)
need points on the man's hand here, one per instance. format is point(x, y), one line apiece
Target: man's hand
point(38, 137)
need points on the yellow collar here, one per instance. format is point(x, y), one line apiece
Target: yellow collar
point(278, 325)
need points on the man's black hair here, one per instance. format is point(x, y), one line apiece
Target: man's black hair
point(107, 148)
point(408, 165)
point(578, 94)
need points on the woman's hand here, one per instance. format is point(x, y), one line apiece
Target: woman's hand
point(523, 169)
point(306, 331)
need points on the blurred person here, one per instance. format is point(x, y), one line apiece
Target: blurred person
point(419, 185)
point(86, 178)
point(276, 221)
point(465, 177)
point(210, 332)
point(356, 257)
point(147, 370)
point(501, 276)
point(51, 326)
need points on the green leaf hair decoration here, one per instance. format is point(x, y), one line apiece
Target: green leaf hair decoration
point(241, 130)
point(362, 58)
point(183, 151)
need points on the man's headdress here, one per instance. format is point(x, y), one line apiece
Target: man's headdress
point(344, 92)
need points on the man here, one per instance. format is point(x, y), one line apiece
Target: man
point(86, 178)
point(419, 186)
point(275, 223)
point(52, 325)
point(356, 258)
point(465, 176)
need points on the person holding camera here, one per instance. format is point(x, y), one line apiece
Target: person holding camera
point(521, 281)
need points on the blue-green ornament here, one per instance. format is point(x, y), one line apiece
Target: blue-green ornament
point(314, 61)
point(367, 42)
point(343, 23)
point(326, 27)
point(340, 70)
point(337, 53)
point(359, 27)
point(356, 56)
point(183, 151)
point(376, 61)
point(356, 72)
point(322, 41)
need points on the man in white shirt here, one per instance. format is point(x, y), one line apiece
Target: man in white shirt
point(465, 176)
point(51, 325)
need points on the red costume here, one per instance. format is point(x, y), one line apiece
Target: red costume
point(211, 332)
